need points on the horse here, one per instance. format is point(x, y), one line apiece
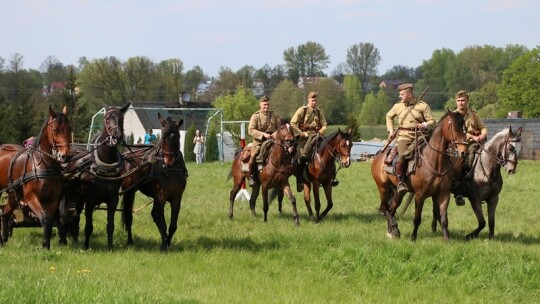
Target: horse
point(432, 176)
point(32, 176)
point(274, 174)
point(159, 173)
point(485, 181)
point(94, 176)
point(321, 170)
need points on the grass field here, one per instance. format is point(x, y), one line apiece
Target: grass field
point(345, 259)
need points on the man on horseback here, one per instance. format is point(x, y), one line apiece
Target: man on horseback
point(413, 116)
point(476, 134)
point(261, 126)
point(308, 122)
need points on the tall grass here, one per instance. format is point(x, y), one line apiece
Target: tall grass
point(345, 259)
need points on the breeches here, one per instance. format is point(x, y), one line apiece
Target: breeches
point(402, 146)
point(255, 149)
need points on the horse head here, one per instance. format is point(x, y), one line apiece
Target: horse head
point(455, 133)
point(510, 150)
point(284, 135)
point(58, 134)
point(343, 147)
point(113, 123)
point(170, 140)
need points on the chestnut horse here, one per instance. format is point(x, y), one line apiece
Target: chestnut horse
point(321, 170)
point(32, 176)
point(94, 176)
point(160, 173)
point(274, 174)
point(431, 178)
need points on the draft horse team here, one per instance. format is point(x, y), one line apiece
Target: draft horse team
point(53, 181)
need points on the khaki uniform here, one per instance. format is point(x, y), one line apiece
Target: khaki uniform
point(313, 122)
point(259, 124)
point(409, 116)
point(475, 126)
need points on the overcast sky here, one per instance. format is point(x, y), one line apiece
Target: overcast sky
point(233, 33)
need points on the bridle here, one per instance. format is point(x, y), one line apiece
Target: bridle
point(109, 129)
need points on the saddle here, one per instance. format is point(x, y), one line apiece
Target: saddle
point(246, 154)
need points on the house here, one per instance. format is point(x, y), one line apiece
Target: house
point(390, 84)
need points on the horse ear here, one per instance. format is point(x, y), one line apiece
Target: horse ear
point(65, 110)
point(180, 123)
point(339, 130)
point(125, 107)
point(161, 120)
point(51, 111)
point(350, 131)
point(518, 133)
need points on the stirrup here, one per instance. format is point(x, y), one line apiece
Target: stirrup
point(251, 181)
point(401, 188)
point(459, 200)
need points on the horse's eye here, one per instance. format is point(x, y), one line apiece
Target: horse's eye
point(511, 148)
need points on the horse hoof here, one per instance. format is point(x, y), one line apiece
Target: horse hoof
point(393, 236)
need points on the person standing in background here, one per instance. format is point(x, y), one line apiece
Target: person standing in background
point(198, 140)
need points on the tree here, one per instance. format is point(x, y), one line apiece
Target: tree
point(437, 72)
point(363, 59)
point(105, 80)
point(212, 148)
point(53, 70)
point(400, 72)
point(309, 59)
point(519, 89)
point(238, 106)
point(139, 72)
point(286, 99)
point(331, 100)
point(354, 94)
point(373, 110)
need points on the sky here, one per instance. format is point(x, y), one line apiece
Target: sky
point(234, 33)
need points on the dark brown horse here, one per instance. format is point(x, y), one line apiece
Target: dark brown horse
point(485, 181)
point(32, 176)
point(274, 174)
point(94, 176)
point(431, 178)
point(160, 173)
point(321, 170)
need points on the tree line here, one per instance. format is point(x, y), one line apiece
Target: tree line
point(500, 79)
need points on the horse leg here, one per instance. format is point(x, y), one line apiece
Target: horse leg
point(307, 199)
point(232, 196)
point(287, 191)
point(111, 210)
point(265, 203)
point(317, 198)
point(280, 200)
point(436, 218)
point(127, 214)
point(89, 225)
point(7, 212)
point(476, 205)
point(442, 202)
point(492, 207)
point(329, 202)
point(62, 234)
point(253, 199)
point(387, 195)
point(419, 205)
point(175, 212)
point(158, 214)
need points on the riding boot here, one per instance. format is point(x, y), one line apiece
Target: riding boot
point(334, 182)
point(400, 173)
point(251, 178)
point(459, 200)
point(299, 174)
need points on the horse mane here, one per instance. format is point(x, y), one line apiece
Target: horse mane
point(459, 121)
point(329, 138)
point(496, 138)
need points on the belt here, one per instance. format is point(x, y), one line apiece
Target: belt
point(409, 129)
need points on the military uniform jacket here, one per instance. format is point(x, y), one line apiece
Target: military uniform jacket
point(261, 123)
point(474, 124)
point(314, 119)
point(409, 116)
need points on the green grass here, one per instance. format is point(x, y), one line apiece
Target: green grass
point(345, 259)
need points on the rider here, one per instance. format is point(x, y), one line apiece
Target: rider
point(261, 126)
point(413, 115)
point(476, 133)
point(307, 123)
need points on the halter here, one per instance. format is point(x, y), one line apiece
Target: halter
point(504, 159)
point(55, 153)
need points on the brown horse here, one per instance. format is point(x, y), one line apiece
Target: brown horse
point(32, 176)
point(431, 178)
point(94, 176)
point(160, 173)
point(275, 174)
point(485, 182)
point(321, 170)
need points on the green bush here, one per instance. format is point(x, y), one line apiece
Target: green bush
point(212, 150)
point(189, 156)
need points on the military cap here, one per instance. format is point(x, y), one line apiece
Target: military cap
point(462, 93)
point(405, 86)
point(264, 99)
point(312, 95)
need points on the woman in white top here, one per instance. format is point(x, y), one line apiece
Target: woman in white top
point(198, 140)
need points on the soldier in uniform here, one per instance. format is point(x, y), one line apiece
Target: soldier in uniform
point(307, 122)
point(413, 116)
point(261, 126)
point(476, 133)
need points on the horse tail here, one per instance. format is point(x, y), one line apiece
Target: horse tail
point(230, 175)
point(273, 193)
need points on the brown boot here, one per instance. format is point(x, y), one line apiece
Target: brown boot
point(400, 173)
point(251, 178)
